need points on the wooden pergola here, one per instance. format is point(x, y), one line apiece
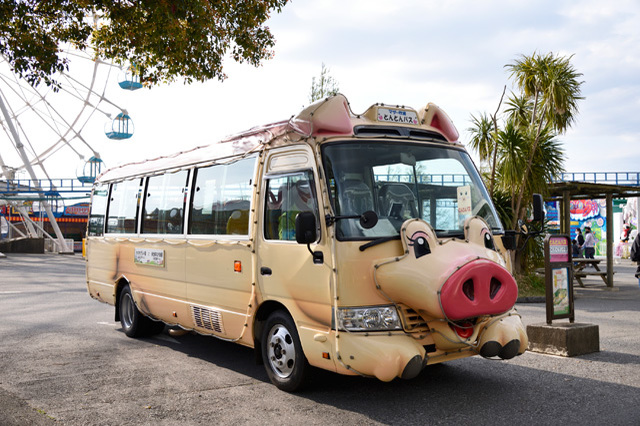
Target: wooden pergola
point(567, 191)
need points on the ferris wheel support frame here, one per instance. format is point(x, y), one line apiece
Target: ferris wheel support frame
point(62, 245)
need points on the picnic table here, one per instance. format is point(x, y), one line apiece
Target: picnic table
point(580, 272)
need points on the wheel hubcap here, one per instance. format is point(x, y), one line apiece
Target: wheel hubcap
point(281, 351)
point(126, 314)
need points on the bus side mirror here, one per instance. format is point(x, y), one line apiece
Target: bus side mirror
point(509, 240)
point(538, 211)
point(306, 232)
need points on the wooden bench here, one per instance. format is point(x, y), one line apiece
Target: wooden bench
point(583, 274)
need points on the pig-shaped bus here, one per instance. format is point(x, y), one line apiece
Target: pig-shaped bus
point(364, 244)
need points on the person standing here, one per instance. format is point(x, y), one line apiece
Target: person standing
point(589, 243)
point(635, 254)
point(580, 241)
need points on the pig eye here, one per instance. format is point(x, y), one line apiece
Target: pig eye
point(488, 241)
point(420, 244)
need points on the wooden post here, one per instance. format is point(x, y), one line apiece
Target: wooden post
point(609, 240)
point(565, 226)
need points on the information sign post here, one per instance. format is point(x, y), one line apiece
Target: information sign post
point(562, 338)
point(558, 277)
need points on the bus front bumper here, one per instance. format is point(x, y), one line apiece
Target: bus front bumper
point(383, 356)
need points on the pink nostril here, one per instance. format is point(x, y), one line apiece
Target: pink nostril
point(467, 289)
point(480, 287)
point(494, 288)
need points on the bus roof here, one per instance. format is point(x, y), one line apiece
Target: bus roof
point(326, 118)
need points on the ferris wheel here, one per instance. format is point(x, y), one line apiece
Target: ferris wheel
point(45, 132)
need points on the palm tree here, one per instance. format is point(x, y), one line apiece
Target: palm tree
point(482, 139)
point(514, 149)
point(511, 159)
point(551, 82)
point(519, 107)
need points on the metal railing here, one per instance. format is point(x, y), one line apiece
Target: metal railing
point(449, 179)
point(56, 187)
point(613, 178)
point(51, 187)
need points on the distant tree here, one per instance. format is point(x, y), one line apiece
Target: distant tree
point(324, 86)
point(166, 40)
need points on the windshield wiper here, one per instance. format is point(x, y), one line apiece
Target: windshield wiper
point(379, 241)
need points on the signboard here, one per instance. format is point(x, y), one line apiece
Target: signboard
point(396, 115)
point(583, 213)
point(558, 250)
point(152, 257)
point(558, 275)
point(464, 201)
point(560, 290)
point(80, 209)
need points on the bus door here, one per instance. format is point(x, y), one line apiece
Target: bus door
point(219, 255)
point(286, 270)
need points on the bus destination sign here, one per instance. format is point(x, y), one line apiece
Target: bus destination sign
point(400, 116)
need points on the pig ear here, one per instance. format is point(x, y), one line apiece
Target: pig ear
point(410, 227)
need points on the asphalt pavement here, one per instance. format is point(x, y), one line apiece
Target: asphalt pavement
point(64, 361)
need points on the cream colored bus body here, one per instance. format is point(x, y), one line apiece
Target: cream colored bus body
point(226, 286)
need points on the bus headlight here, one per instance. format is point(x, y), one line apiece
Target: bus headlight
point(373, 318)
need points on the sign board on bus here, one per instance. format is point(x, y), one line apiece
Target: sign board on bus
point(400, 116)
point(152, 257)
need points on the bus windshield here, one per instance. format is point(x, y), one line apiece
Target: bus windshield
point(400, 181)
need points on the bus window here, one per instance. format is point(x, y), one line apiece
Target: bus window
point(123, 207)
point(221, 199)
point(164, 203)
point(286, 197)
point(98, 210)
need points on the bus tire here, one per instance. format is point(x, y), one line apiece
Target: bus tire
point(134, 323)
point(282, 353)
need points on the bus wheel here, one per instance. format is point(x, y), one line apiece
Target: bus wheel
point(282, 353)
point(133, 322)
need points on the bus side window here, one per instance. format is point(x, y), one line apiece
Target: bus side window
point(286, 197)
point(122, 213)
point(98, 210)
point(221, 199)
point(273, 208)
point(164, 200)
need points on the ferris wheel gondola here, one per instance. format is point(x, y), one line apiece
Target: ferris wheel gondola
point(119, 128)
point(129, 78)
point(90, 170)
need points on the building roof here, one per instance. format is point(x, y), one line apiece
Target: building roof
point(588, 190)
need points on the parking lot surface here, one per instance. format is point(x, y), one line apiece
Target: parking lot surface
point(63, 360)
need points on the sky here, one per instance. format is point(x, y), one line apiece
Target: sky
point(452, 53)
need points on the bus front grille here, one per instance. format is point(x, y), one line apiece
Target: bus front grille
point(207, 318)
point(412, 321)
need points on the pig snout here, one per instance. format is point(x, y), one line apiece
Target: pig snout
point(480, 287)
